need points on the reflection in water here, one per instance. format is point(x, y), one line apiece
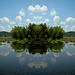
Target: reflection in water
point(53, 60)
point(37, 64)
point(73, 46)
point(49, 59)
point(70, 53)
point(66, 46)
point(56, 55)
point(37, 48)
point(4, 53)
point(37, 55)
point(18, 55)
point(21, 60)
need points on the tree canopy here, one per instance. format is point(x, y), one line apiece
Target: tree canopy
point(37, 32)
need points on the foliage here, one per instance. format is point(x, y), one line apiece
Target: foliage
point(37, 32)
point(5, 34)
point(35, 47)
point(18, 32)
point(0, 43)
point(69, 34)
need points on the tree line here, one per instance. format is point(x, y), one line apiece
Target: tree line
point(37, 32)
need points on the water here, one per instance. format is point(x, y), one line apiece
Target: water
point(19, 60)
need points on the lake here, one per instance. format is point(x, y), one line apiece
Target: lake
point(54, 60)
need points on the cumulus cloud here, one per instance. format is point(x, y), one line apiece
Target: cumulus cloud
point(21, 12)
point(56, 18)
point(18, 19)
point(53, 12)
point(12, 23)
point(4, 19)
point(73, 28)
point(2, 28)
point(47, 20)
point(33, 22)
point(44, 13)
point(37, 17)
point(70, 20)
point(28, 20)
point(66, 26)
point(30, 13)
point(62, 23)
point(8, 26)
point(37, 8)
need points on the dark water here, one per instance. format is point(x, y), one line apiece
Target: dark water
point(53, 60)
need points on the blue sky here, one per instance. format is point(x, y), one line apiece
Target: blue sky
point(22, 12)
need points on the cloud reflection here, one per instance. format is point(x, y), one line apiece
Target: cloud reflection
point(18, 55)
point(53, 60)
point(4, 53)
point(37, 55)
point(70, 53)
point(21, 60)
point(56, 55)
point(37, 64)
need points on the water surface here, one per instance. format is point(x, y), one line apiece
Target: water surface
point(54, 60)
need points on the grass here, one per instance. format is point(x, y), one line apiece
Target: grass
point(68, 39)
point(0, 43)
point(6, 40)
point(74, 44)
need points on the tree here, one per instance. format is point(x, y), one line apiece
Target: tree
point(37, 32)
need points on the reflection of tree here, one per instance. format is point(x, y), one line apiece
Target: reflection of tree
point(37, 47)
point(18, 47)
point(56, 47)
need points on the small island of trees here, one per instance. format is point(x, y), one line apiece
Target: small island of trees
point(39, 32)
point(37, 37)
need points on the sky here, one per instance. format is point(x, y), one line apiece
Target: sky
point(22, 12)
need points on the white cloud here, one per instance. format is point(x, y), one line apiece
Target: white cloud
point(33, 22)
point(12, 23)
point(53, 13)
point(62, 23)
point(37, 17)
point(4, 19)
point(8, 26)
point(30, 13)
point(70, 20)
point(66, 26)
point(39, 22)
point(56, 18)
point(2, 28)
point(37, 8)
point(73, 28)
point(28, 20)
point(21, 12)
point(44, 13)
point(47, 20)
point(18, 19)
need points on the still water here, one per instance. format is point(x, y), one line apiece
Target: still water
point(19, 60)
